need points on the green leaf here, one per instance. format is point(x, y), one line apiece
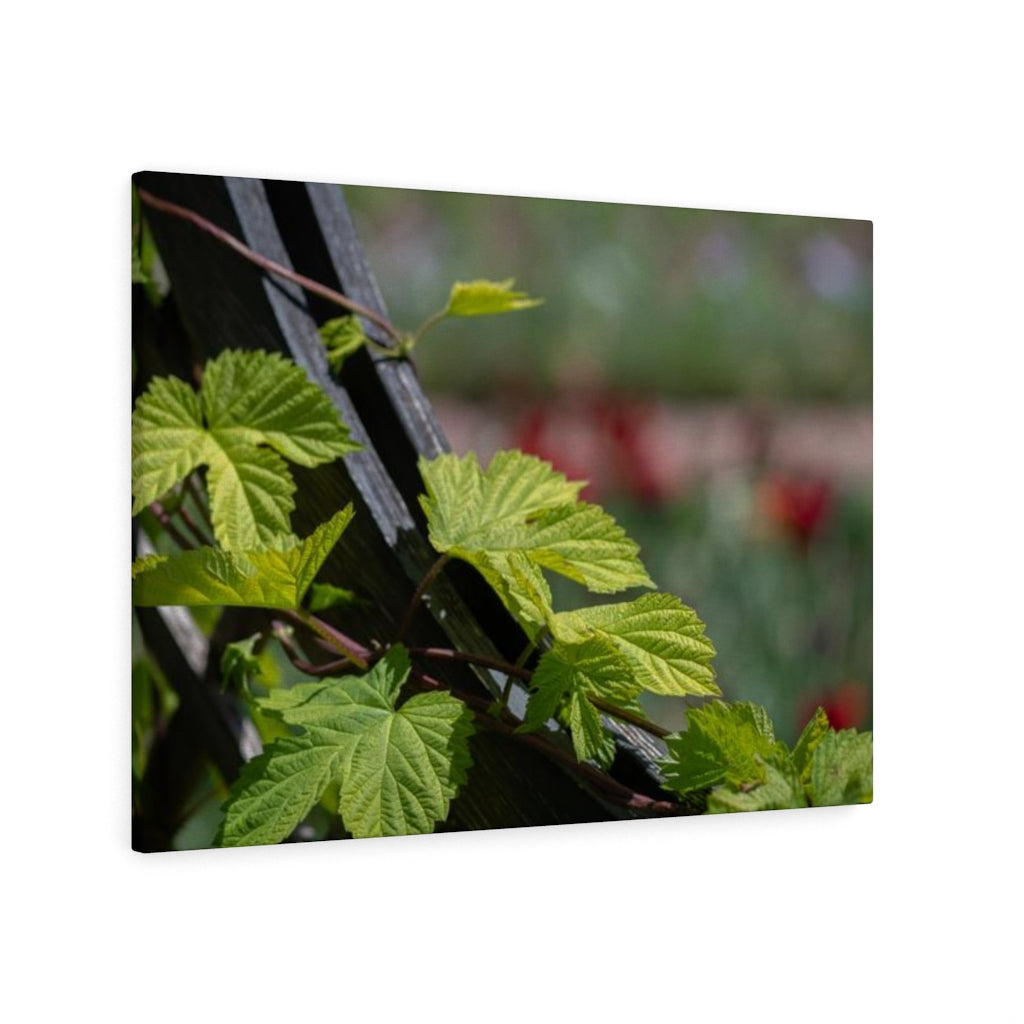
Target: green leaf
point(147, 269)
point(842, 769)
point(485, 298)
point(253, 410)
point(240, 661)
point(522, 589)
point(723, 743)
point(565, 678)
point(780, 790)
point(341, 337)
point(617, 651)
point(583, 543)
point(276, 791)
point(661, 638)
point(466, 506)
point(803, 753)
point(398, 768)
point(250, 494)
point(168, 439)
point(323, 596)
point(590, 739)
point(270, 577)
point(146, 563)
point(592, 667)
point(519, 516)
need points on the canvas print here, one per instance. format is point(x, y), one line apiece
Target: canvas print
point(457, 512)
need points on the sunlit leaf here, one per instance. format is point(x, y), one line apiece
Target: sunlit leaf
point(342, 336)
point(253, 411)
point(661, 638)
point(519, 516)
point(485, 298)
point(842, 769)
point(723, 743)
point(780, 790)
point(397, 768)
point(269, 577)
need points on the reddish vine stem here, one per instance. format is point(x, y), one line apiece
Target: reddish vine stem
point(169, 525)
point(354, 651)
point(519, 672)
point(628, 716)
point(269, 265)
point(507, 724)
point(326, 669)
point(187, 519)
point(446, 654)
point(414, 602)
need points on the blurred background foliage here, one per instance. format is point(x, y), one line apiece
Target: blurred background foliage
point(710, 373)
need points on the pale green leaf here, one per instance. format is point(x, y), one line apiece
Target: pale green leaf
point(564, 679)
point(465, 506)
point(590, 739)
point(583, 543)
point(398, 768)
point(521, 586)
point(406, 768)
point(662, 639)
point(780, 790)
point(147, 563)
point(262, 398)
point(240, 661)
point(276, 791)
point(248, 400)
point(272, 577)
point(723, 743)
point(341, 337)
point(803, 753)
point(593, 666)
point(521, 515)
point(485, 298)
point(842, 769)
point(168, 439)
point(323, 596)
point(250, 493)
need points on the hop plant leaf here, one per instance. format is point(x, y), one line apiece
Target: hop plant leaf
point(397, 768)
point(731, 750)
point(342, 336)
point(723, 743)
point(564, 680)
point(518, 517)
point(268, 577)
point(253, 411)
point(614, 652)
point(661, 641)
point(323, 596)
point(803, 753)
point(841, 771)
point(780, 790)
point(486, 298)
point(240, 661)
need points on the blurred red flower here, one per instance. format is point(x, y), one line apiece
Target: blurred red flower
point(847, 706)
point(799, 507)
point(599, 437)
